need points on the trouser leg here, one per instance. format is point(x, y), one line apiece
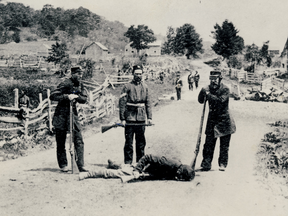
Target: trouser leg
point(60, 149)
point(140, 142)
point(106, 173)
point(208, 151)
point(128, 147)
point(178, 91)
point(224, 148)
point(79, 148)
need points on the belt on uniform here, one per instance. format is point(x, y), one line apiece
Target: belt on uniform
point(136, 104)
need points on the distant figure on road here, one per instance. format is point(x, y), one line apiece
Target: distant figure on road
point(220, 124)
point(178, 85)
point(190, 81)
point(135, 107)
point(158, 167)
point(196, 79)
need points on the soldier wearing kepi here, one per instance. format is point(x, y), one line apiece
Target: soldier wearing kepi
point(178, 85)
point(220, 124)
point(69, 90)
point(135, 107)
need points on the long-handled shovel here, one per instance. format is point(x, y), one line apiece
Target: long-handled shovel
point(199, 137)
point(74, 166)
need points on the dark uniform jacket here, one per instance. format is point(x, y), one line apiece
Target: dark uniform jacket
point(135, 102)
point(196, 77)
point(61, 119)
point(178, 83)
point(190, 78)
point(220, 122)
point(159, 166)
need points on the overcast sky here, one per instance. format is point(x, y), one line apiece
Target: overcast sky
point(257, 20)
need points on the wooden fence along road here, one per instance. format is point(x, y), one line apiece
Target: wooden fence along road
point(99, 105)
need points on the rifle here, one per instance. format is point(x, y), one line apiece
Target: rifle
point(125, 179)
point(105, 128)
point(199, 137)
point(72, 148)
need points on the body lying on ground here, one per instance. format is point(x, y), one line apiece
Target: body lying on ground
point(158, 167)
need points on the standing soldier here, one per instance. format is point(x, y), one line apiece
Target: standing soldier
point(178, 86)
point(69, 90)
point(219, 124)
point(190, 81)
point(134, 107)
point(196, 79)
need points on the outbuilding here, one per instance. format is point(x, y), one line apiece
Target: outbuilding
point(96, 51)
point(154, 49)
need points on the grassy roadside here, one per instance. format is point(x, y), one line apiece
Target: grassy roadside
point(272, 158)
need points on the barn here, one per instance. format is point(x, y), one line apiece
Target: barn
point(153, 50)
point(96, 51)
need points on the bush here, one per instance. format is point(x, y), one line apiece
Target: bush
point(234, 62)
point(213, 63)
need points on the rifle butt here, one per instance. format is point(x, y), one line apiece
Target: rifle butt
point(105, 128)
point(74, 166)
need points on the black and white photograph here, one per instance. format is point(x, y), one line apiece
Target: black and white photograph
point(144, 108)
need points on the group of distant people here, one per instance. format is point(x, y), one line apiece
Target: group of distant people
point(192, 78)
point(135, 112)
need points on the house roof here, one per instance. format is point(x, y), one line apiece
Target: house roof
point(98, 44)
point(156, 43)
point(26, 48)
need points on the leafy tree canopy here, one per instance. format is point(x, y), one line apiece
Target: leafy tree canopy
point(140, 36)
point(57, 53)
point(227, 43)
point(168, 46)
point(258, 56)
point(187, 41)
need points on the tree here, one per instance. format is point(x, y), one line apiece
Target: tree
point(57, 53)
point(187, 41)
point(258, 56)
point(140, 37)
point(265, 56)
point(227, 43)
point(168, 46)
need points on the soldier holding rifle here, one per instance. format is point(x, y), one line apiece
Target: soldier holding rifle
point(156, 167)
point(178, 85)
point(220, 124)
point(69, 90)
point(134, 108)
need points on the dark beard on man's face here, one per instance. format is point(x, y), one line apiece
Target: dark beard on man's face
point(214, 85)
point(75, 81)
point(138, 79)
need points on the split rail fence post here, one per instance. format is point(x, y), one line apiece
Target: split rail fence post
point(49, 110)
point(16, 98)
point(26, 124)
point(40, 97)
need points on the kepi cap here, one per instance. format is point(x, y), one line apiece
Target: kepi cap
point(136, 67)
point(76, 69)
point(215, 74)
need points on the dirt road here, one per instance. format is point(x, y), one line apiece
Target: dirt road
point(34, 185)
